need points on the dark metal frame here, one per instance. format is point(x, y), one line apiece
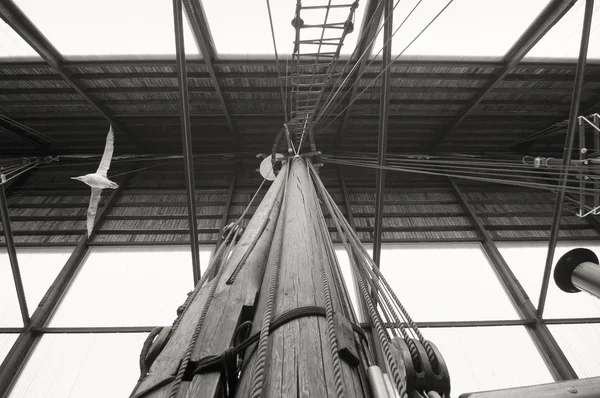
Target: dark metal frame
point(17, 356)
point(12, 255)
point(383, 129)
point(543, 23)
point(186, 132)
point(14, 17)
point(557, 362)
point(568, 151)
point(201, 33)
point(364, 46)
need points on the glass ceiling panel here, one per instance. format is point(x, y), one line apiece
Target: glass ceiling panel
point(11, 44)
point(467, 28)
point(563, 40)
point(111, 27)
point(248, 31)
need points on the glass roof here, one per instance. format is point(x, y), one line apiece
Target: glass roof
point(248, 31)
point(111, 27)
point(467, 28)
point(564, 39)
point(11, 44)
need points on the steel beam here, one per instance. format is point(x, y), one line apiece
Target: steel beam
point(18, 354)
point(18, 21)
point(20, 133)
point(553, 12)
point(383, 130)
point(186, 132)
point(568, 151)
point(201, 32)
point(374, 11)
point(557, 363)
point(12, 255)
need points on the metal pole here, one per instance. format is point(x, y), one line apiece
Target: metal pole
point(186, 133)
point(12, 255)
point(16, 357)
point(557, 363)
point(383, 130)
point(560, 195)
point(578, 270)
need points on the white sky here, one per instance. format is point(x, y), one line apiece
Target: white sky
point(467, 28)
point(564, 39)
point(476, 28)
point(248, 31)
point(110, 27)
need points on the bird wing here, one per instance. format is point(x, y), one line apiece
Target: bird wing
point(108, 152)
point(93, 209)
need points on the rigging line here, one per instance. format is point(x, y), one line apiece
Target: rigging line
point(521, 167)
point(30, 130)
point(468, 171)
point(277, 61)
point(379, 52)
point(368, 47)
point(549, 187)
point(17, 175)
point(538, 180)
point(390, 64)
point(143, 168)
point(312, 81)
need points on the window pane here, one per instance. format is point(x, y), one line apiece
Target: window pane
point(81, 365)
point(488, 358)
point(346, 267)
point(129, 286)
point(581, 345)
point(526, 259)
point(10, 315)
point(563, 40)
point(445, 282)
point(39, 267)
point(110, 27)
point(11, 44)
point(471, 28)
point(248, 31)
point(6, 343)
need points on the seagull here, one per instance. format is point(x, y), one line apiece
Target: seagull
point(98, 180)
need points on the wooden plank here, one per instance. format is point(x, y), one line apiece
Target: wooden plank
point(221, 319)
point(583, 388)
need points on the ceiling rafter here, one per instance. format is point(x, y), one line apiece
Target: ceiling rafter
point(373, 11)
point(205, 45)
point(553, 12)
point(18, 21)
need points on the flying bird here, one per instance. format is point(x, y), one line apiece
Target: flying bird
point(98, 180)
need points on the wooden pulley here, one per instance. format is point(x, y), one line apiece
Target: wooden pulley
point(422, 375)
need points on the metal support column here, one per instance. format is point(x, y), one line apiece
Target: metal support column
point(557, 363)
point(186, 132)
point(568, 150)
point(18, 354)
point(383, 129)
point(12, 255)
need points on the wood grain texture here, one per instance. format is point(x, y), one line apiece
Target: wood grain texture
point(299, 358)
point(225, 310)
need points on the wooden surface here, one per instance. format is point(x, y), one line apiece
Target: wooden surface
point(299, 358)
point(225, 310)
point(583, 388)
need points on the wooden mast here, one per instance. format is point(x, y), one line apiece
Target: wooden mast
point(281, 263)
point(299, 360)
